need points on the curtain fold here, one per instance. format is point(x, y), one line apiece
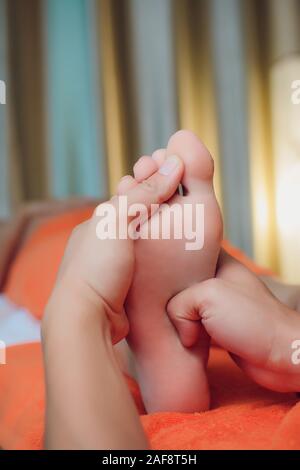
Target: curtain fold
point(118, 95)
point(5, 202)
point(197, 105)
point(154, 75)
point(26, 100)
point(285, 120)
point(258, 41)
point(91, 90)
point(228, 51)
point(75, 143)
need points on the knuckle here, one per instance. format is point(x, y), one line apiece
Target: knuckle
point(212, 288)
point(170, 308)
point(149, 186)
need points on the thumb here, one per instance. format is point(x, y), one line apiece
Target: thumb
point(185, 311)
point(160, 186)
point(234, 320)
point(153, 191)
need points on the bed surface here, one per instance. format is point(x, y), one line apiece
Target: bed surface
point(16, 324)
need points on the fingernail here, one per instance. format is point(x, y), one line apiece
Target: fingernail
point(169, 165)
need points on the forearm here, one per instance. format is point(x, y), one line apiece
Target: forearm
point(88, 403)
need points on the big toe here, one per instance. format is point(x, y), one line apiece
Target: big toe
point(159, 156)
point(198, 162)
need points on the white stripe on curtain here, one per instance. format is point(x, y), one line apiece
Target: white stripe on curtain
point(4, 166)
point(231, 79)
point(75, 139)
point(154, 72)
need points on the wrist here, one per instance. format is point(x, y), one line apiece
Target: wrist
point(69, 308)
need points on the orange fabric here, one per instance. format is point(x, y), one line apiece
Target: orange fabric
point(33, 272)
point(243, 415)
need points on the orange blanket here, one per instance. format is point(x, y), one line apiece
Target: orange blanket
point(243, 415)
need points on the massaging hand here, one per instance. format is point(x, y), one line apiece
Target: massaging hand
point(99, 272)
point(242, 316)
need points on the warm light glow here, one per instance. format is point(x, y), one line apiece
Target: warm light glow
point(286, 152)
point(288, 221)
point(262, 210)
point(288, 199)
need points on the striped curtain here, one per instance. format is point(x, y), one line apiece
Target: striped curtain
point(4, 187)
point(93, 84)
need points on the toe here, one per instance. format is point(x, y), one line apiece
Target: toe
point(144, 168)
point(125, 184)
point(197, 159)
point(159, 156)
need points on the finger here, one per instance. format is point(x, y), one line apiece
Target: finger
point(159, 156)
point(219, 308)
point(185, 311)
point(144, 168)
point(159, 187)
point(138, 203)
point(125, 184)
point(235, 321)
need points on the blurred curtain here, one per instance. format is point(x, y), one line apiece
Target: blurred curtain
point(96, 83)
point(285, 125)
point(76, 163)
point(25, 101)
point(236, 62)
point(153, 62)
point(212, 92)
point(4, 186)
point(118, 88)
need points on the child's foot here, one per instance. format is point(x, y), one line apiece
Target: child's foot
point(172, 377)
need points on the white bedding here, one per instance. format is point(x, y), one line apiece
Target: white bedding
point(17, 325)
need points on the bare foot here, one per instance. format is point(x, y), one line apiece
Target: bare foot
point(173, 377)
